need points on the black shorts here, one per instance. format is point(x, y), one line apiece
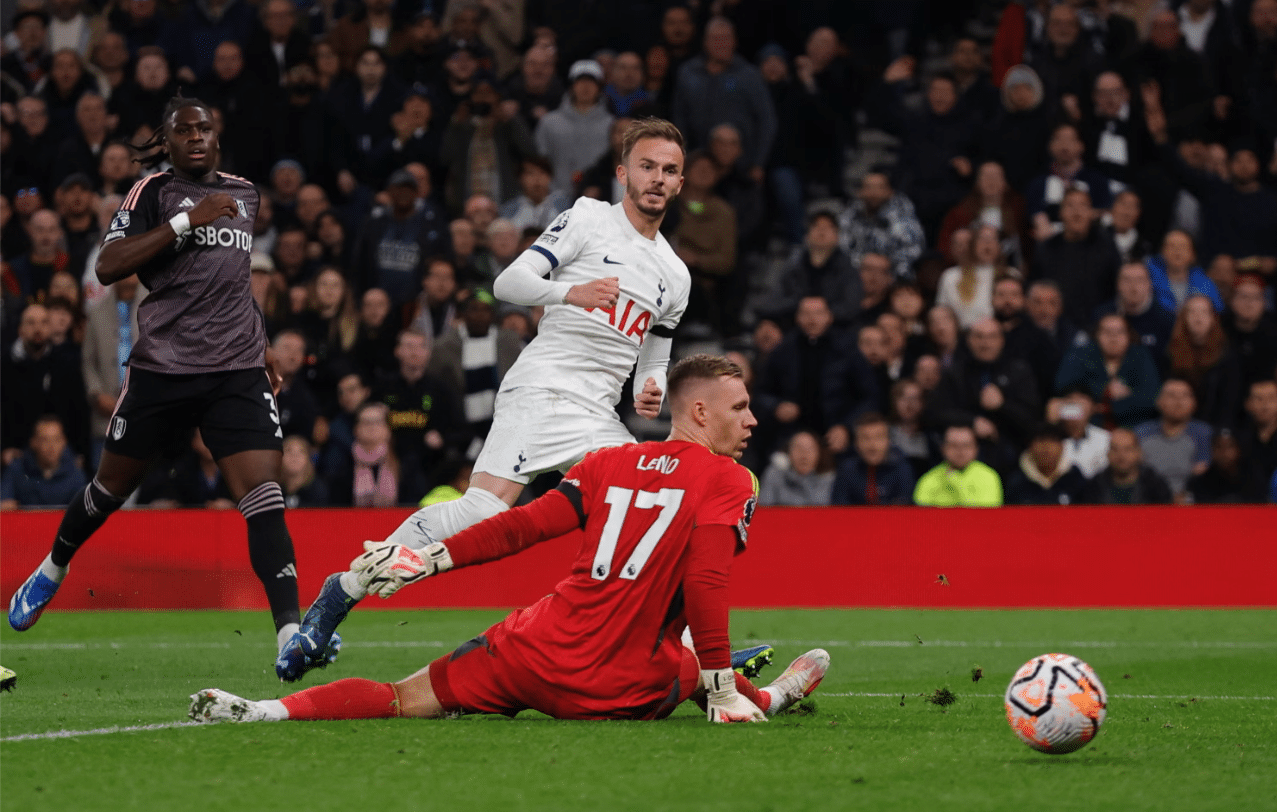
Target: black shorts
point(234, 411)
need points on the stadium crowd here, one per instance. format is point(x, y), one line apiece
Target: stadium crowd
point(971, 253)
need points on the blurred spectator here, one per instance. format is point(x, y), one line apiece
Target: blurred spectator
point(503, 248)
point(1181, 73)
point(1125, 214)
point(435, 309)
point(32, 271)
point(813, 381)
point(1047, 475)
point(718, 87)
point(1044, 302)
point(881, 221)
point(1116, 372)
point(1017, 135)
point(70, 27)
point(307, 125)
point(498, 25)
point(455, 481)
point(878, 473)
point(374, 350)
point(1045, 194)
point(330, 325)
point(1199, 353)
point(110, 328)
point(480, 210)
point(298, 407)
point(1259, 438)
point(967, 288)
point(473, 357)
point(736, 185)
point(995, 394)
point(297, 476)
point(1024, 339)
point(908, 401)
point(1251, 330)
point(396, 241)
point(77, 208)
point(575, 134)
point(46, 474)
point(805, 479)
point(871, 341)
point(1135, 302)
point(277, 44)
point(328, 244)
point(1126, 480)
point(1224, 480)
point(191, 37)
point(290, 260)
point(927, 372)
point(484, 147)
point(140, 101)
point(822, 268)
point(1085, 443)
point(536, 87)
point(423, 49)
point(705, 239)
point(1066, 60)
point(625, 91)
point(81, 151)
point(29, 62)
point(365, 107)
point(139, 22)
point(1176, 276)
point(1239, 215)
point(938, 143)
point(537, 205)
point(1176, 445)
point(898, 351)
point(116, 169)
point(465, 247)
point(599, 181)
point(961, 480)
point(371, 474)
point(369, 23)
point(268, 291)
point(425, 416)
point(993, 203)
point(34, 147)
point(977, 96)
point(62, 88)
point(416, 137)
point(352, 392)
point(1116, 141)
point(1081, 259)
point(944, 337)
point(192, 480)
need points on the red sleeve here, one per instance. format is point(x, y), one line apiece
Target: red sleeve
point(1008, 43)
point(730, 500)
point(709, 566)
point(550, 516)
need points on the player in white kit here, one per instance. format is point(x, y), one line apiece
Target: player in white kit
point(614, 295)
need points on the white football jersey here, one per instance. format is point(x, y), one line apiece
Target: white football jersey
point(589, 353)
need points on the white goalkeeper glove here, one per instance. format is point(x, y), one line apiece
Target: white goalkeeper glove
point(725, 704)
point(385, 568)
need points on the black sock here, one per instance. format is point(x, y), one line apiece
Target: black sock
point(89, 510)
point(270, 549)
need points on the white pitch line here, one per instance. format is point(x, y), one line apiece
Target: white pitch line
point(1111, 696)
point(101, 731)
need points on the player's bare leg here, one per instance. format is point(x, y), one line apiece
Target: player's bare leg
point(487, 496)
point(343, 699)
point(116, 478)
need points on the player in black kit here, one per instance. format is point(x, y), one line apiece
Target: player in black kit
point(200, 359)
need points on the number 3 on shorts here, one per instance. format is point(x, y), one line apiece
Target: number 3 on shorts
point(274, 413)
point(618, 501)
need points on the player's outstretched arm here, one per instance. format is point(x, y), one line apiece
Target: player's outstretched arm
point(120, 258)
point(653, 363)
point(385, 568)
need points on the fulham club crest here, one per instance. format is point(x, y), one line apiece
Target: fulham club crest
point(118, 426)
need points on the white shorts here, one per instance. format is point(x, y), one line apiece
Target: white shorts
point(539, 430)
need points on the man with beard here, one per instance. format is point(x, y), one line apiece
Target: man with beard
point(1024, 339)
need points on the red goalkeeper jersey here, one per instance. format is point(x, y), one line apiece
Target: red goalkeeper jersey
point(612, 628)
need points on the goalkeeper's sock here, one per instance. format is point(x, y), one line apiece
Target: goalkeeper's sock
point(760, 697)
point(87, 511)
point(344, 699)
point(270, 550)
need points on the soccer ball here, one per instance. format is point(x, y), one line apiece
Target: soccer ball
point(1055, 703)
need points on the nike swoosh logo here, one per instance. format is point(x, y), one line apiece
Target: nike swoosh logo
point(607, 261)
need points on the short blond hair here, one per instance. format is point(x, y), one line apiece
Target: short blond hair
point(700, 367)
point(649, 127)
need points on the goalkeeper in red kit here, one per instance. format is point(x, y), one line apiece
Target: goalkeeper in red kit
point(662, 523)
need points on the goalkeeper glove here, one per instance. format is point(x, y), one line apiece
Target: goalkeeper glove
point(724, 703)
point(385, 568)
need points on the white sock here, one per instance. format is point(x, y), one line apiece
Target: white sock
point(52, 571)
point(777, 697)
point(285, 634)
point(351, 586)
point(444, 520)
point(275, 710)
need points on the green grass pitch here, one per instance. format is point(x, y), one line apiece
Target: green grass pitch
point(1191, 725)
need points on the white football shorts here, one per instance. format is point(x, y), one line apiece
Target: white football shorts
point(539, 430)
